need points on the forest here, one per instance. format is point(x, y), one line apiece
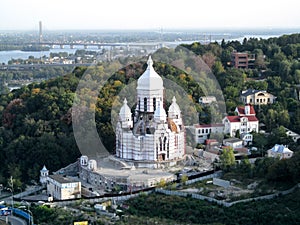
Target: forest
point(36, 120)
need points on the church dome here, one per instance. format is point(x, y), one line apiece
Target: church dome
point(125, 111)
point(150, 80)
point(174, 107)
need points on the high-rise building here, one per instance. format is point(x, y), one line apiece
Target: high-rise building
point(40, 32)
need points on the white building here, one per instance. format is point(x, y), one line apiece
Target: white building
point(233, 142)
point(205, 100)
point(202, 132)
point(245, 122)
point(61, 188)
point(292, 134)
point(257, 97)
point(280, 151)
point(152, 135)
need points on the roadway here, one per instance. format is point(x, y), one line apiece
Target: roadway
point(14, 220)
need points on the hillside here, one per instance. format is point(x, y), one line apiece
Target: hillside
point(36, 125)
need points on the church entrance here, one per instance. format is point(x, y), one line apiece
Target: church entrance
point(162, 157)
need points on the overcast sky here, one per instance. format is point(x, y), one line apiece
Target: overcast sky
point(151, 14)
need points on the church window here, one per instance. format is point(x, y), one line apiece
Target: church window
point(145, 104)
point(154, 104)
point(139, 104)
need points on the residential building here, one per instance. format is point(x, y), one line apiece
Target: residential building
point(280, 151)
point(247, 138)
point(257, 97)
point(233, 142)
point(292, 134)
point(244, 122)
point(206, 100)
point(242, 60)
point(62, 188)
point(202, 132)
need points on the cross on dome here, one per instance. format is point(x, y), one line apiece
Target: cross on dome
point(173, 99)
point(150, 61)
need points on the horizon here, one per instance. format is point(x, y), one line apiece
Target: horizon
point(219, 30)
point(131, 15)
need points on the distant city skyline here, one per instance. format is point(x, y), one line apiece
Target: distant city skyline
point(154, 14)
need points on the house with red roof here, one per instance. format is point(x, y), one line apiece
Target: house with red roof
point(245, 122)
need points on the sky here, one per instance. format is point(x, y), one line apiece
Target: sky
point(150, 14)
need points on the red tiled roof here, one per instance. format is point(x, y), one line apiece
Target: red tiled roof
point(237, 119)
point(252, 118)
point(241, 110)
point(209, 141)
point(233, 119)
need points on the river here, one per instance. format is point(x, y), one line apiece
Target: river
point(5, 56)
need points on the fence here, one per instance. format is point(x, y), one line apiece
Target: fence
point(222, 202)
point(213, 175)
point(101, 199)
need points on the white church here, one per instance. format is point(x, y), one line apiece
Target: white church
point(150, 135)
point(147, 141)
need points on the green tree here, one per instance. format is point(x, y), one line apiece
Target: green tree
point(227, 159)
point(184, 178)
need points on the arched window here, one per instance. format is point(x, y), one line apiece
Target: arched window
point(145, 104)
point(154, 104)
point(139, 104)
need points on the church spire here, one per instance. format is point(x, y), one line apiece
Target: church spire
point(150, 62)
